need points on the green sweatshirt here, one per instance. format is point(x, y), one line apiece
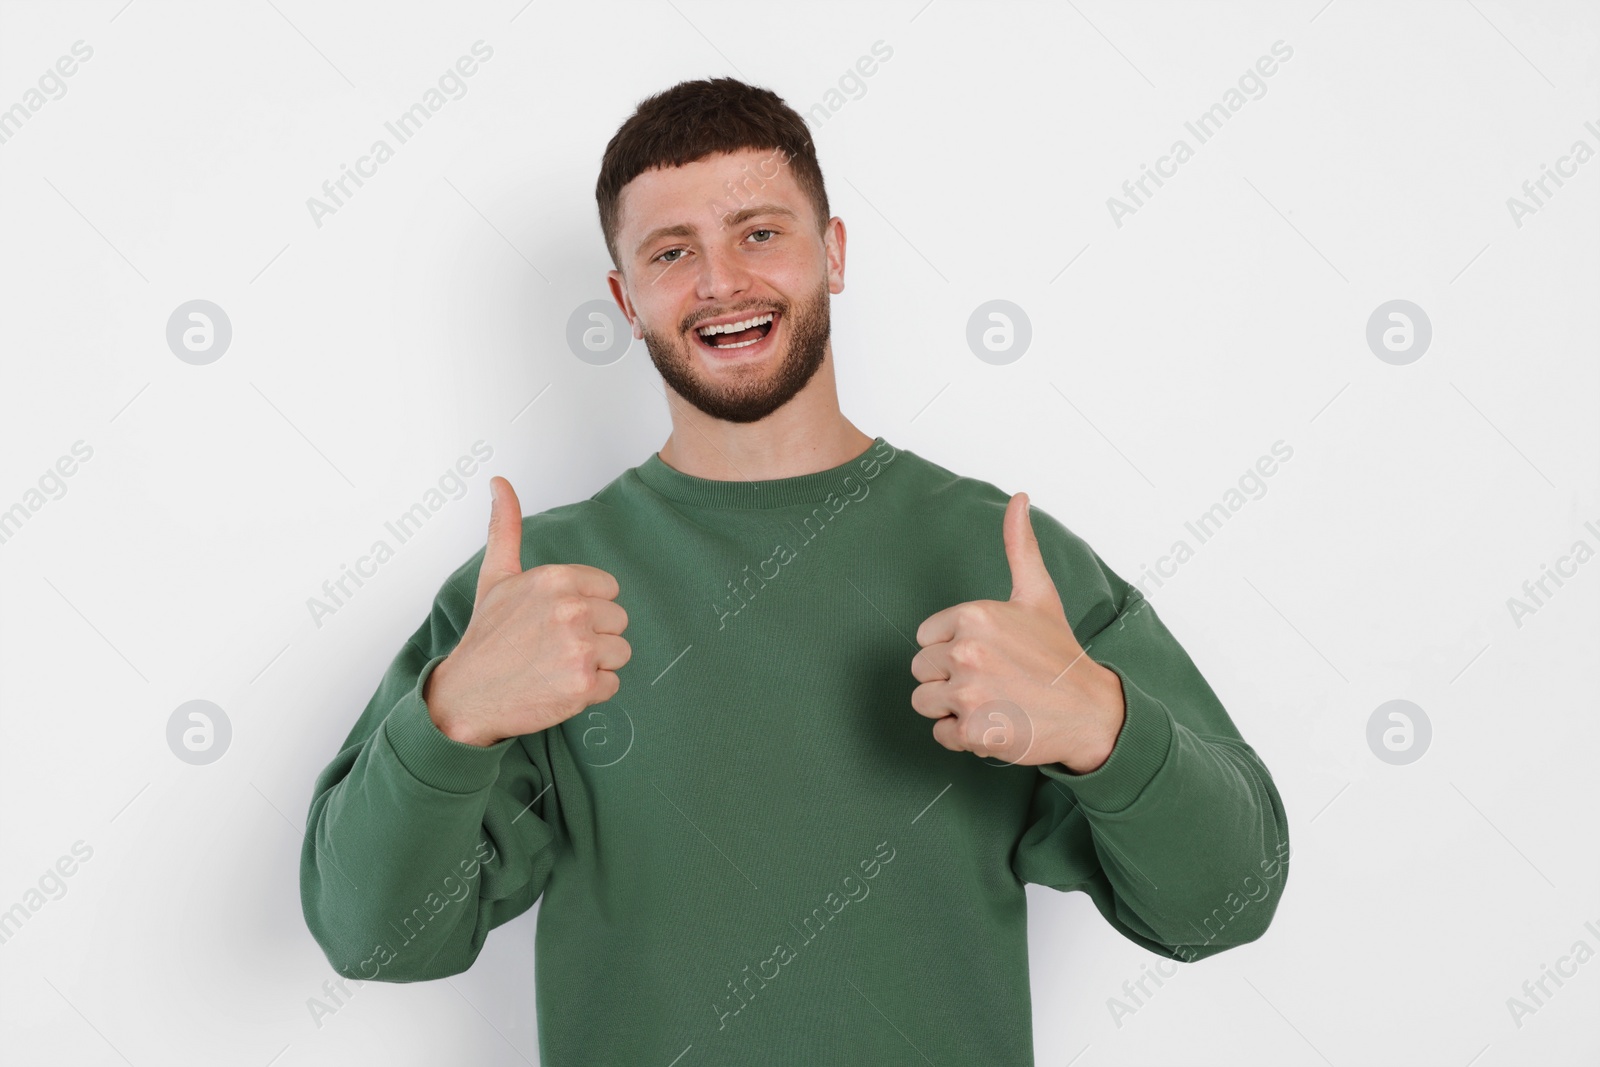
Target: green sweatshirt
point(756, 853)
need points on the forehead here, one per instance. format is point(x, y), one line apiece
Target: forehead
point(700, 193)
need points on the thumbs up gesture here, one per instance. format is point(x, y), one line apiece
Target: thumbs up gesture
point(541, 646)
point(1007, 678)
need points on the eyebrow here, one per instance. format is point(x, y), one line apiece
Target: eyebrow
point(683, 229)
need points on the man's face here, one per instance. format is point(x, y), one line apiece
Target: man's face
point(728, 239)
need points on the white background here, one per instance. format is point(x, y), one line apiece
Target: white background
point(1229, 312)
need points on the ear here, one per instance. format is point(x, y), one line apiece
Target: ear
point(833, 241)
point(619, 292)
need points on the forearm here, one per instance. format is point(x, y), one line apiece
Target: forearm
point(395, 849)
point(1194, 832)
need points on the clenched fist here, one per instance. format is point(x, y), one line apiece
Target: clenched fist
point(541, 646)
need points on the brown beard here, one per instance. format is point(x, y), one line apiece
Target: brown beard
point(755, 398)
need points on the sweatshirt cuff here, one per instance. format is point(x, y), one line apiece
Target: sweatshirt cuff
point(431, 757)
point(1137, 756)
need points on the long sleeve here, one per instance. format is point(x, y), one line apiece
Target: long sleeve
point(1180, 837)
point(418, 845)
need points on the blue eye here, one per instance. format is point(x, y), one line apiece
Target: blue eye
point(669, 252)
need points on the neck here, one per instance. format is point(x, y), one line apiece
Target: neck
point(806, 435)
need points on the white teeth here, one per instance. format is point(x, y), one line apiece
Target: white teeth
point(735, 327)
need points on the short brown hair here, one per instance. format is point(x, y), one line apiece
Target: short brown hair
point(695, 119)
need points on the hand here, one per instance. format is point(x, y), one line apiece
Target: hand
point(1008, 679)
point(541, 646)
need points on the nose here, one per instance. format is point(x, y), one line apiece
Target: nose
point(723, 275)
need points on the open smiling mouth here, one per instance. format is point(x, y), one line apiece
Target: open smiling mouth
point(735, 336)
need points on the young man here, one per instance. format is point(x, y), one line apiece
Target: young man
point(861, 701)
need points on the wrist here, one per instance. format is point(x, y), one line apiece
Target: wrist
point(1110, 712)
point(436, 697)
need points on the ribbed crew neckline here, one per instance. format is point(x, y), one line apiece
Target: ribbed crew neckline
point(742, 494)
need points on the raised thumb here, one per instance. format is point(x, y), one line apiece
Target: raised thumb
point(502, 558)
point(1030, 579)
